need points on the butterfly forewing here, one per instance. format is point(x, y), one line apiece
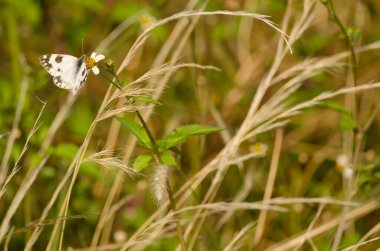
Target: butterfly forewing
point(68, 72)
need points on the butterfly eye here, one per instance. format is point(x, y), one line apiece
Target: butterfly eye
point(90, 62)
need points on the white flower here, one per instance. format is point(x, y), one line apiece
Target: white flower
point(348, 172)
point(260, 149)
point(92, 60)
point(342, 161)
point(146, 20)
point(120, 236)
point(344, 166)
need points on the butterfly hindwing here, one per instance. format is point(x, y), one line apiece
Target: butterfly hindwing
point(68, 72)
point(82, 72)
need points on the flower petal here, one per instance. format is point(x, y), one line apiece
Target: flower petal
point(93, 55)
point(99, 57)
point(95, 70)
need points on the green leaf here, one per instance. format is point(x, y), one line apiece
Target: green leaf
point(91, 169)
point(48, 172)
point(168, 158)
point(141, 162)
point(347, 123)
point(183, 133)
point(365, 168)
point(66, 151)
point(147, 99)
point(355, 34)
point(136, 129)
point(336, 106)
point(80, 113)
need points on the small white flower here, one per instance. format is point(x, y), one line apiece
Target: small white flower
point(146, 20)
point(344, 166)
point(120, 236)
point(260, 149)
point(92, 60)
point(342, 161)
point(348, 172)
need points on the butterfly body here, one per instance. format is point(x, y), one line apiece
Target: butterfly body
point(68, 72)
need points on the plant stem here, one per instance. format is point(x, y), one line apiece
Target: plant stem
point(156, 152)
point(331, 9)
point(350, 100)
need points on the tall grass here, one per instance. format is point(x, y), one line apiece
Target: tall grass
point(266, 182)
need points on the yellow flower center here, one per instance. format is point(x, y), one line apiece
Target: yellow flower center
point(145, 20)
point(257, 148)
point(90, 62)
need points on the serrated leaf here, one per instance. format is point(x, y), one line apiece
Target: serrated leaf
point(141, 162)
point(147, 99)
point(168, 158)
point(183, 133)
point(136, 129)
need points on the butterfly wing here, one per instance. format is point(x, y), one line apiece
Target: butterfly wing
point(68, 72)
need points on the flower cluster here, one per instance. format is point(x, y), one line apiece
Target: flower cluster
point(344, 166)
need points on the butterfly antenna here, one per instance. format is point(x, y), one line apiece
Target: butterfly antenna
point(82, 45)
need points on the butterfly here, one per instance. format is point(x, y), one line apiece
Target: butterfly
point(70, 72)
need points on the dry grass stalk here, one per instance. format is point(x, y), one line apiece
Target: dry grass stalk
point(354, 247)
point(311, 226)
point(14, 132)
point(269, 184)
point(234, 243)
point(16, 166)
point(141, 39)
point(21, 192)
point(323, 228)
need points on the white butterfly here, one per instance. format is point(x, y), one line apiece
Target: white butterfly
point(70, 72)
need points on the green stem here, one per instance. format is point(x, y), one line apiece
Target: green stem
point(331, 9)
point(152, 141)
point(354, 65)
point(131, 101)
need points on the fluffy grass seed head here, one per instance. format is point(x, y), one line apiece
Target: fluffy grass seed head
point(159, 182)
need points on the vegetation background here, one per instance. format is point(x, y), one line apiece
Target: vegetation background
point(296, 165)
